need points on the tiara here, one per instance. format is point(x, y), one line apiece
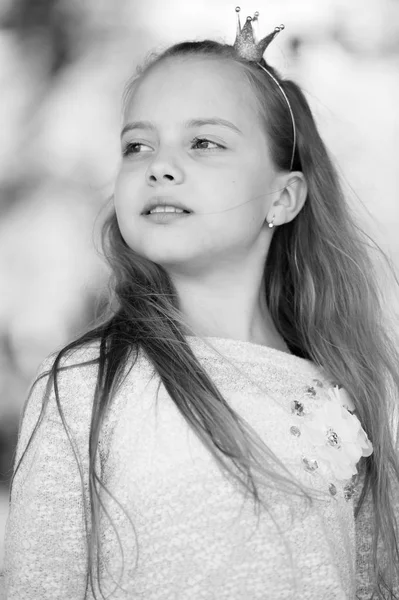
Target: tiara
point(248, 48)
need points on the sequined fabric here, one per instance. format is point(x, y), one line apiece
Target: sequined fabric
point(194, 536)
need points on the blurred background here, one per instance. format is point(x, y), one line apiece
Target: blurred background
point(63, 66)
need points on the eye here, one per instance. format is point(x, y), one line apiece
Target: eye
point(133, 148)
point(197, 141)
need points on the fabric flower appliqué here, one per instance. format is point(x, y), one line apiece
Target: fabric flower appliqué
point(337, 434)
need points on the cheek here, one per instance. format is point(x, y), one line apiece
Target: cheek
point(239, 225)
point(246, 199)
point(119, 191)
point(248, 207)
point(126, 196)
point(126, 208)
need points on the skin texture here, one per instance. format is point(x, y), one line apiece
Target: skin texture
point(216, 256)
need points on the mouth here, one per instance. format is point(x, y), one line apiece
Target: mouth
point(166, 212)
point(164, 217)
point(164, 202)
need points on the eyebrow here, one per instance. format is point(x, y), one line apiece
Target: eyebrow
point(188, 124)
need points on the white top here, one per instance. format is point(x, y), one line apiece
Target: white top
point(196, 536)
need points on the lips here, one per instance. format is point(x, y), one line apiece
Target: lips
point(163, 201)
point(165, 217)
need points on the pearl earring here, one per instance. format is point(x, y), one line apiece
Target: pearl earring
point(271, 224)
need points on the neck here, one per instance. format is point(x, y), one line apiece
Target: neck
point(230, 308)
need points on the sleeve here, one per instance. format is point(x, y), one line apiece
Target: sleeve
point(45, 553)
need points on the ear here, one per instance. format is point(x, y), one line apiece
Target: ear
point(294, 191)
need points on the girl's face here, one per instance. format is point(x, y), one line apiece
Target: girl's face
point(174, 150)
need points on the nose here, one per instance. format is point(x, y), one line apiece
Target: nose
point(164, 170)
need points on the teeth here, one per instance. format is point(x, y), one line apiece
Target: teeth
point(166, 209)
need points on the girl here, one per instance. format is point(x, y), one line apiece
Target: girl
point(242, 364)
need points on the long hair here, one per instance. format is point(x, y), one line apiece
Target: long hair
point(322, 292)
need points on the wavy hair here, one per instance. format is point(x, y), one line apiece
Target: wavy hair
point(323, 295)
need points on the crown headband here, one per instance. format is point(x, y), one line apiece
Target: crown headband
point(246, 47)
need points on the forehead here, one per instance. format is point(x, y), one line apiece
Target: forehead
point(182, 88)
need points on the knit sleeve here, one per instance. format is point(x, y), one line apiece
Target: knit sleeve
point(45, 539)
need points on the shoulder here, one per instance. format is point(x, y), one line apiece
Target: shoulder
point(75, 359)
point(77, 366)
point(74, 380)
